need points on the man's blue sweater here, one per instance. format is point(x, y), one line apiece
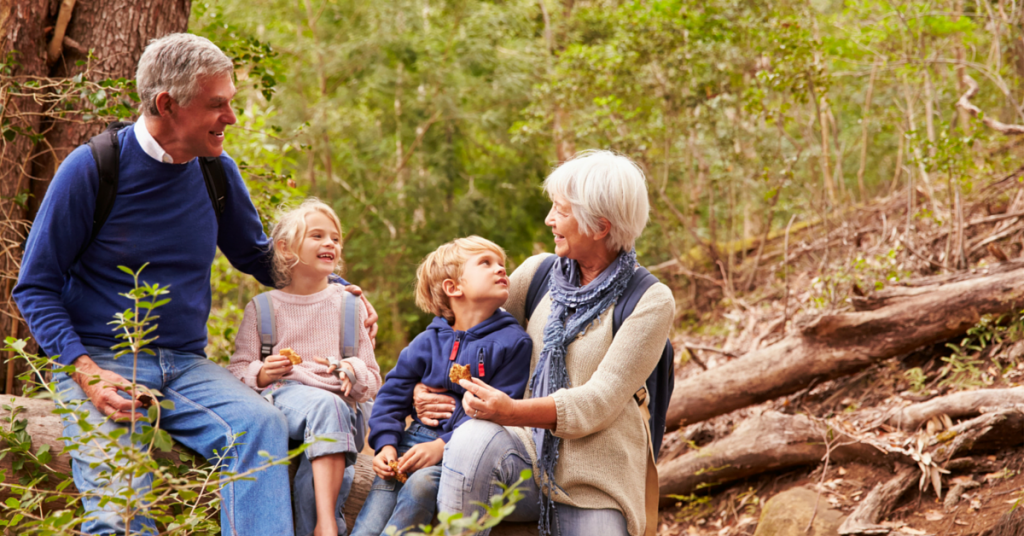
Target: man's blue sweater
point(162, 215)
point(497, 351)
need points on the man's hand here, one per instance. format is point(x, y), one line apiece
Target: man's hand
point(371, 313)
point(422, 455)
point(380, 462)
point(431, 406)
point(103, 393)
point(274, 368)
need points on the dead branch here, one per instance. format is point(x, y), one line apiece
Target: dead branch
point(956, 405)
point(965, 104)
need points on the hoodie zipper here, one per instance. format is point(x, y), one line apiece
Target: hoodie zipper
point(453, 356)
point(480, 363)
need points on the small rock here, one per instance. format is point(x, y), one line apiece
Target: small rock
point(788, 513)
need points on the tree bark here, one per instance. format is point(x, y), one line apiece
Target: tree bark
point(956, 405)
point(834, 345)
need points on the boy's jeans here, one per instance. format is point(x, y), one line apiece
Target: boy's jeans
point(210, 408)
point(391, 504)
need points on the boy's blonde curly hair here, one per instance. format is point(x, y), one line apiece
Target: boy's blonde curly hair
point(291, 229)
point(447, 262)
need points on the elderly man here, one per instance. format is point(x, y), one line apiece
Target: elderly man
point(162, 214)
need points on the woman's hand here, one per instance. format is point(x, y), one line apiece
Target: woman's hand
point(274, 368)
point(482, 401)
point(380, 462)
point(371, 313)
point(422, 455)
point(431, 406)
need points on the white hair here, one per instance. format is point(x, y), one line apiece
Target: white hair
point(602, 184)
point(177, 63)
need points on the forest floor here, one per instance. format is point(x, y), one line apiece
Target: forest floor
point(818, 270)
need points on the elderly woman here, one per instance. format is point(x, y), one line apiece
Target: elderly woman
point(578, 428)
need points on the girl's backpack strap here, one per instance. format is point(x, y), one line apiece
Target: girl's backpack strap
point(539, 284)
point(349, 325)
point(267, 323)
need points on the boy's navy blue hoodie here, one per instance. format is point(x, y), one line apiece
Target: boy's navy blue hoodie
point(497, 351)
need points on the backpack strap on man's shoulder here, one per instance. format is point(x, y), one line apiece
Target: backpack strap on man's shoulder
point(216, 182)
point(266, 322)
point(539, 284)
point(106, 152)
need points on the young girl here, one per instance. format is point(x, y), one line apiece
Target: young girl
point(317, 401)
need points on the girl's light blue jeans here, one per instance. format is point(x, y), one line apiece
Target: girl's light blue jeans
point(392, 504)
point(315, 415)
point(211, 409)
point(482, 455)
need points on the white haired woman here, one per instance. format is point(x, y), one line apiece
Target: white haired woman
point(578, 428)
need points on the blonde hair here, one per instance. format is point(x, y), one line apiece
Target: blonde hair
point(291, 228)
point(447, 262)
point(602, 184)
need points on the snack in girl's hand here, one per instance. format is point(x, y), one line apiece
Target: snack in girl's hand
point(399, 476)
point(292, 356)
point(459, 372)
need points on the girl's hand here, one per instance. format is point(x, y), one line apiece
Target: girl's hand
point(422, 455)
point(381, 460)
point(332, 368)
point(274, 368)
point(484, 402)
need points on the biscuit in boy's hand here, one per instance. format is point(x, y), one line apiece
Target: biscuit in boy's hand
point(399, 476)
point(291, 355)
point(459, 372)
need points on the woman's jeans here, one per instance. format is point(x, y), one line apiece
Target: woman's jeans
point(313, 415)
point(392, 504)
point(211, 409)
point(482, 455)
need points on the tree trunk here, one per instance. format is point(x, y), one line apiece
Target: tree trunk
point(834, 345)
point(116, 31)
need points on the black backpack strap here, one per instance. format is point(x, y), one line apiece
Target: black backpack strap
point(539, 284)
point(216, 182)
point(638, 285)
point(106, 152)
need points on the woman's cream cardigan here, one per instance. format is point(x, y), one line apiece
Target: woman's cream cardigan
point(603, 456)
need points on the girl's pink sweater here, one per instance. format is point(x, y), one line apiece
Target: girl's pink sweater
point(310, 325)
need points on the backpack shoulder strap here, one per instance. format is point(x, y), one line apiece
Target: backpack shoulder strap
point(216, 182)
point(106, 151)
point(539, 284)
point(641, 281)
point(267, 324)
point(349, 325)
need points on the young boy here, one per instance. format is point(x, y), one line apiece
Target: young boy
point(463, 283)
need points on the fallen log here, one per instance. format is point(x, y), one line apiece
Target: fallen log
point(835, 345)
point(45, 428)
point(766, 442)
point(956, 406)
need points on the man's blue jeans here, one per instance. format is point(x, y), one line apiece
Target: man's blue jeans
point(391, 504)
point(482, 455)
point(211, 407)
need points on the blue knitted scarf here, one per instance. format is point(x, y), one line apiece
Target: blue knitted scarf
point(573, 310)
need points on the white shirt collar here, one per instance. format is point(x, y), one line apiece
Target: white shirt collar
point(149, 144)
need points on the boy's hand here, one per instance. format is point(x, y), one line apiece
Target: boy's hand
point(332, 368)
point(274, 368)
point(422, 455)
point(430, 405)
point(380, 462)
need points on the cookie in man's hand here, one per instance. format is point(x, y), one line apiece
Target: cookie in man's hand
point(292, 356)
point(459, 372)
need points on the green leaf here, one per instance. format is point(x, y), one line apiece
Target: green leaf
point(126, 270)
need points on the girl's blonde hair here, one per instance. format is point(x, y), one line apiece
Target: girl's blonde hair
point(291, 228)
point(447, 262)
